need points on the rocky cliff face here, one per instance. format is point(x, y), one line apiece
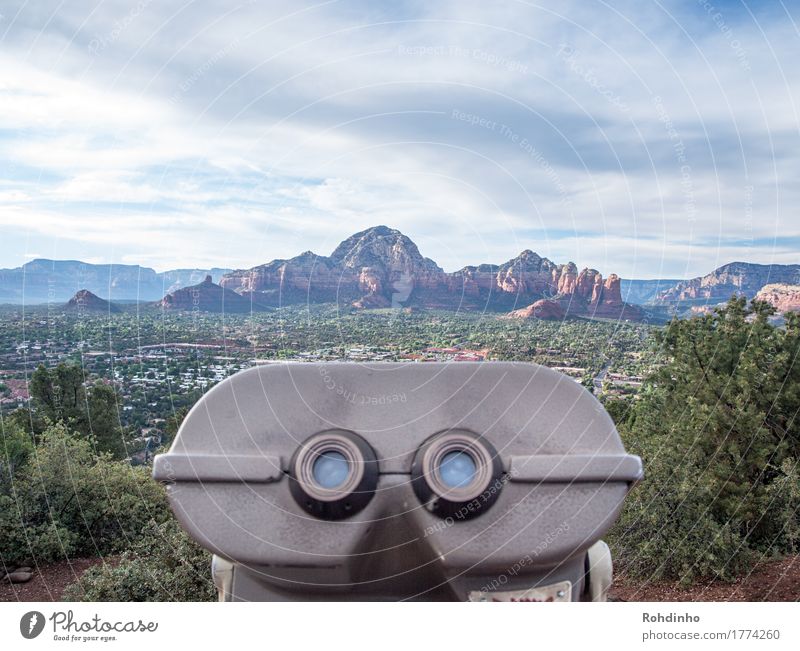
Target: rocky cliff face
point(740, 278)
point(206, 297)
point(583, 293)
point(784, 297)
point(381, 267)
point(86, 301)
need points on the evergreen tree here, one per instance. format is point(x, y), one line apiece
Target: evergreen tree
point(717, 427)
point(59, 396)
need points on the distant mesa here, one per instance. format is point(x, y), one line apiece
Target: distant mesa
point(44, 281)
point(644, 292)
point(205, 297)
point(782, 296)
point(84, 300)
point(740, 278)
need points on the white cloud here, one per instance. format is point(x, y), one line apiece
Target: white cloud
point(164, 134)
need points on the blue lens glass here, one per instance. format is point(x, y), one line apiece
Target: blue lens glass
point(330, 469)
point(457, 469)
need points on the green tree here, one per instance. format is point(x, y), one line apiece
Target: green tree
point(717, 429)
point(59, 392)
point(15, 450)
point(59, 396)
point(103, 419)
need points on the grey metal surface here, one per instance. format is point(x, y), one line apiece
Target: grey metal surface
point(217, 467)
point(566, 477)
point(559, 468)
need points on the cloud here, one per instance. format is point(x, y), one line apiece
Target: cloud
point(624, 136)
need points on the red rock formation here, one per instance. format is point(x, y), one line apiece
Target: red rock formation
point(541, 309)
point(381, 267)
point(612, 294)
point(568, 279)
point(589, 286)
point(294, 278)
point(784, 297)
point(369, 281)
point(611, 305)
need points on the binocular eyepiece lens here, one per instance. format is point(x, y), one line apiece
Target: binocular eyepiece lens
point(330, 469)
point(457, 474)
point(457, 469)
point(333, 474)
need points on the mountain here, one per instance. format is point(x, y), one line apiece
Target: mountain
point(784, 297)
point(206, 297)
point(642, 292)
point(86, 301)
point(47, 281)
point(381, 267)
point(368, 268)
point(741, 278)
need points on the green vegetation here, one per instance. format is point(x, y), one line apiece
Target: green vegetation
point(717, 428)
point(710, 403)
point(162, 565)
point(59, 396)
point(60, 498)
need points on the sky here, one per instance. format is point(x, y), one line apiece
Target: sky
point(648, 139)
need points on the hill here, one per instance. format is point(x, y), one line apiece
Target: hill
point(86, 301)
point(206, 297)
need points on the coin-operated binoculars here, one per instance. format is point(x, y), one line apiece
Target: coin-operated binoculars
point(462, 481)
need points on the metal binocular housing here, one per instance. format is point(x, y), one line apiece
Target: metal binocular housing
point(383, 481)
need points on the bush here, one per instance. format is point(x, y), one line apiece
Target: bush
point(163, 565)
point(67, 500)
point(718, 432)
point(16, 449)
point(668, 528)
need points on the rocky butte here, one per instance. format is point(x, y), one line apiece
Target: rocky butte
point(84, 300)
point(381, 267)
point(541, 309)
point(206, 297)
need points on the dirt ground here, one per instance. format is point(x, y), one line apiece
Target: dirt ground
point(48, 582)
point(769, 581)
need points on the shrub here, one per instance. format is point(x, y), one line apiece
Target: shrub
point(668, 528)
point(163, 565)
point(68, 500)
point(16, 449)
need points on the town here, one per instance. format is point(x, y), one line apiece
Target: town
point(161, 363)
